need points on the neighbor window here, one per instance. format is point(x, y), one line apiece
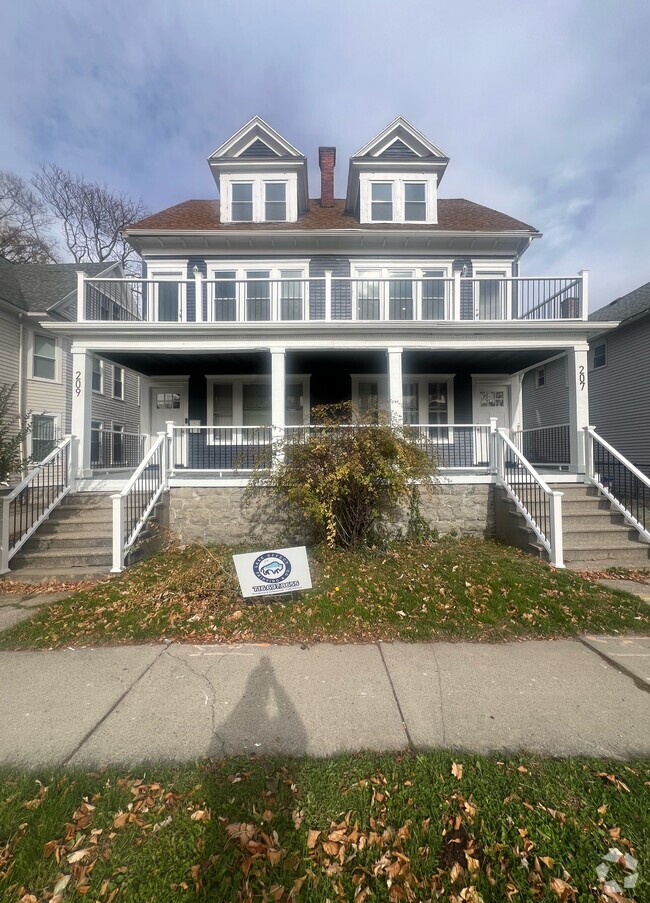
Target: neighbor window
point(415, 203)
point(540, 377)
point(600, 355)
point(43, 435)
point(118, 382)
point(275, 201)
point(44, 354)
point(381, 201)
point(98, 375)
point(242, 202)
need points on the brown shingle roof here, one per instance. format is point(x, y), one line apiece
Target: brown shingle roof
point(454, 215)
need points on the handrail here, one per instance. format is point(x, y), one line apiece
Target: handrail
point(133, 505)
point(625, 486)
point(540, 505)
point(29, 503)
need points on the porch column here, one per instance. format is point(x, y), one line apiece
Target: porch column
point(82, 375)
point(578, 404)
point(395, 389)
point(278, 391)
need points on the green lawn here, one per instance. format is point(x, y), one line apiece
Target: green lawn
point(377, 828)
point(450, 590)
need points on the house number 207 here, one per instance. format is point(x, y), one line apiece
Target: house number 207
point(581, 376)
point(77, 383)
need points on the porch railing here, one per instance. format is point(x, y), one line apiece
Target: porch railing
point(133, 505)
point(433, 296)
point(540, 505)
point(115, 449)
point(27, 505)
point(626, 487)
point(546, 445)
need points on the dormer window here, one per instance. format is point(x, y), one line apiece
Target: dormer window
point(415, 202)
point(382, 201)
point(242, 202)
point(275, 204)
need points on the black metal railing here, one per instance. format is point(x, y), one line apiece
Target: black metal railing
point(545, 445)
point(145, 487)
point(455, 446)
point(621, 480)
point(220, 448)
point(111, 449)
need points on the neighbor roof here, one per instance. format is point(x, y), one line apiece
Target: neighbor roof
point(454, 215)
point(627, 306)
point(44, 284)
point(10, 290)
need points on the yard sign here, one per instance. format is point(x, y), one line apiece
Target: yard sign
point(277, 571)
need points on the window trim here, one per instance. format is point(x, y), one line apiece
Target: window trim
point(102, 376)
point(594, 365)
point(540, 372)
point(57, 357)
point(259, 182)
point(165, 271)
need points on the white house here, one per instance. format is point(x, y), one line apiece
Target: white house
point(258, 306)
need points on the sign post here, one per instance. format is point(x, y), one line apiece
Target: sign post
point(273, 572)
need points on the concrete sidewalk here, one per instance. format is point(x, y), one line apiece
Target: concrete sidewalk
point(179, 702)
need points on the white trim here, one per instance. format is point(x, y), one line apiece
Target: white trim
point(497, 379)
point(259, 181)
point(398, 180)
point(58, 362)
point(275, 266)
point(237, 381)
point(166, 270)
point(396, 129)
point(257, 127)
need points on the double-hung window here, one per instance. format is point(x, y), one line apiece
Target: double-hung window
point(98, 375)
point(44, 357)
point(118, 382)
point(275, 201)
point(381, 202)
point(415, 202)
point(43, 435)
point(600, 355)
point(242, 202)
point(258, 295)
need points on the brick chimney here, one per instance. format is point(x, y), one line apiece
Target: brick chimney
point(326, 161)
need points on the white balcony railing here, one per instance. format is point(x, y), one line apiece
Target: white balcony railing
point(331, 298)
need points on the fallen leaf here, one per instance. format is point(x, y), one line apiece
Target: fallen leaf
point(562, 890)
point(457, 770)
point(312, 838)
point(77, 856)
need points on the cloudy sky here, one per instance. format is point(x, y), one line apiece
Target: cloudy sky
point(542, 105)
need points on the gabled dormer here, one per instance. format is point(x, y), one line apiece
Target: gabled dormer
point(395, 177)
point(260, 176)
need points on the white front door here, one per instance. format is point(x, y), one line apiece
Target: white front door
point(491, 399)
point(169, 402)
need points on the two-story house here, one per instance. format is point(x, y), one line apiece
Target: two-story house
point(259, 305)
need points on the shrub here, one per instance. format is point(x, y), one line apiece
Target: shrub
point(342, 477)
point(13, 430)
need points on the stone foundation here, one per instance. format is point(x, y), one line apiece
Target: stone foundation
point(218, 514)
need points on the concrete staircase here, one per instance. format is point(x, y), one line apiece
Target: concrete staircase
point(74, 543)
point(596, 535)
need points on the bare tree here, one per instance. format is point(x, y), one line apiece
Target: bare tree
point(25, 223)
point(91, 216)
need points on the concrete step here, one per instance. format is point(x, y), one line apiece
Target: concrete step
point(599, 518)
point(586, 505)
point(47, 575)
point(87, 500)
point(602, 541)
point(76, 527)
point(53, 541)
point(633, 555)
point(91, 516)
point(81, 557)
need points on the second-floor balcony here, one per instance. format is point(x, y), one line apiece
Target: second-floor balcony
point(292, 298)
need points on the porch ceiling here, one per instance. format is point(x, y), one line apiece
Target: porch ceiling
point(363, 360)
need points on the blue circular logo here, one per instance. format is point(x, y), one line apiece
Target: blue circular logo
point(271, 567)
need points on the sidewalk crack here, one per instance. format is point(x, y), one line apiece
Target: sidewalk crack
point(397, 702)
point(638, 682)
point(442, 710)
point(110, 711)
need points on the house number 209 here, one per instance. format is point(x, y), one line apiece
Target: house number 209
point(581, 375)
point(77, 383)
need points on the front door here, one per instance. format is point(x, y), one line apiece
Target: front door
point(169, 402)
point(491, 398)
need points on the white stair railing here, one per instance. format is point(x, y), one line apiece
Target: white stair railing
point(133, 505)
point(540, 505)
point(626, 487)
point(29, 503)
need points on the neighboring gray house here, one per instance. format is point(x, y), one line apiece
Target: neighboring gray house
point(40, 364)
point(619, 376)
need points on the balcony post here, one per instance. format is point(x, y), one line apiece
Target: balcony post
point(82, 376)
point(328, 294)
point(578, 405)
point(198, 296)
point(278, 393)
point(584, 309)
point(455, 307)
point(81, 297)
point(395, 386)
